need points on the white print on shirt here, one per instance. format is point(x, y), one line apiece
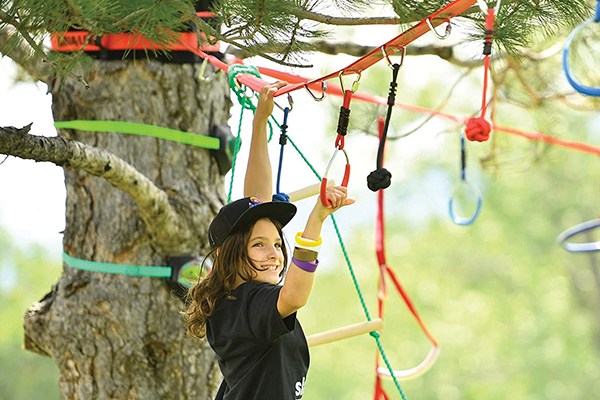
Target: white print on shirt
point(300, 388)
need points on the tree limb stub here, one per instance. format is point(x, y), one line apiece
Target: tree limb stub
point(18, 51)
point(161, 219)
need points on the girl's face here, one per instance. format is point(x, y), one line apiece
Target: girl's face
point(265, 249)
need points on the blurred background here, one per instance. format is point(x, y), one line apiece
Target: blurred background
point(516, 316)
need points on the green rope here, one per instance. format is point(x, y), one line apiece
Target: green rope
point(304, 158)
point(236, 150)
point(363, 303)
point(240, 92)
point(377, 336)
point(374, 334)
point(246, 104)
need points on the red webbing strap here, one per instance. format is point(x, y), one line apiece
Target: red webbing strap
point(384, 270)
point(478, 128)
point(380, 393)
point(487, 51)
point(438, 17)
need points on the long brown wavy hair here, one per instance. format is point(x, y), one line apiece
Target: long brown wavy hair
point(230, 260)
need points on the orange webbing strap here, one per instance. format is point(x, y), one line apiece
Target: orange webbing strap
point(82, 40)
point(384, 270)
point(443, 15)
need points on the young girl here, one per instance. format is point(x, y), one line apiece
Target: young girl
point(248, 317)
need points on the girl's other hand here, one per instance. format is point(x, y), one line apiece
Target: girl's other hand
point(337, 197)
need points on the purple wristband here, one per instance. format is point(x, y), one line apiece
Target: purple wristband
point(308, 266)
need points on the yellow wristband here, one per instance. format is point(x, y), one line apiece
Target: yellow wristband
point(307, 242)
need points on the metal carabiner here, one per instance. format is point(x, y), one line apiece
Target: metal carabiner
point(387, 57)
point(323, 192)
point(355, 84)
point(323, 90)
point(290, 102)
point(203, 72)
point(447, 32)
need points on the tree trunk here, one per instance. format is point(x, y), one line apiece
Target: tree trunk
point(118, 336)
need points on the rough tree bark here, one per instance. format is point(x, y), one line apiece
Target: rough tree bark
point(117, 336)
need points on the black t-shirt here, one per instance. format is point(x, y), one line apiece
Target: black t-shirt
point(261, 355)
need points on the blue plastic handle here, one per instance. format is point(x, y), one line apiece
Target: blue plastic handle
point(464, 221)
point(581, 88)
point(575, 230)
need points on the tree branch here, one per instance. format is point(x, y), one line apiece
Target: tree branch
point(330, 20)
point(161, 218)
point(347, 21)
point(333, 48)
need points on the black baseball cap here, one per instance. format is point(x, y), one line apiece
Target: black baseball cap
point(246, 211)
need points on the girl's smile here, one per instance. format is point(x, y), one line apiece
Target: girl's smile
point(265, 249)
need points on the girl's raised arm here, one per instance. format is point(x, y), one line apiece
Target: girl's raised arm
point(300, 277)
point(259, 177)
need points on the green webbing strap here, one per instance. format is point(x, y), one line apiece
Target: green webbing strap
point(124, 269)
point(134, 128)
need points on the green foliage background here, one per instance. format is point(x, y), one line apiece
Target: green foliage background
point(26, 274)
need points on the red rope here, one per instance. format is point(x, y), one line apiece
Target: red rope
point(478, 128)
